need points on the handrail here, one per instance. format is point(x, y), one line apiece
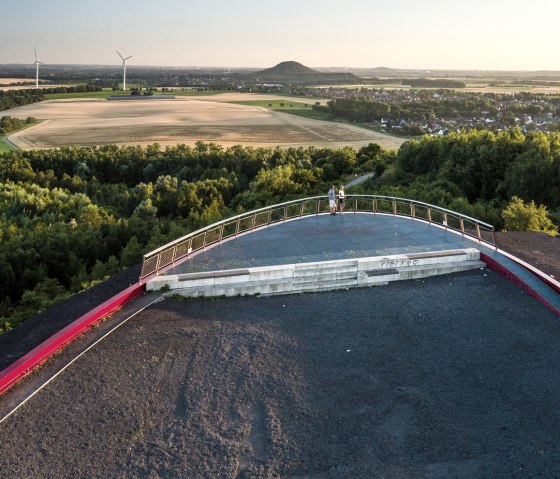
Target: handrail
point(166, 255)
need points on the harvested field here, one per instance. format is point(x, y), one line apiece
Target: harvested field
point(182, 120)
point(7, 81)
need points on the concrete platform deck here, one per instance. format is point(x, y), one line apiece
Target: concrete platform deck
point(350, 235)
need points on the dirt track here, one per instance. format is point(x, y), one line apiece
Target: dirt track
point(453, 376)
point(182, 120)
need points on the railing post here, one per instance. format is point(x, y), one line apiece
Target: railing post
point(430, 215)
point(157, 264)
point(445, 220)
point(174, 255)
point(394, 207)
point(301, 209)
point(478, 232)
point(375, 205)
point(462, 223)
point(253, 222)
point(318, 206)
point(204, 241)
point(237, 227)
point(285, 213)
point(269, 217)
point(412, 210)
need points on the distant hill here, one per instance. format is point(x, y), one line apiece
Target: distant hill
point(382, 69)
point(294, 72)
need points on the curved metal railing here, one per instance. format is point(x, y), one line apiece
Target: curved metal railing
point(159, 259)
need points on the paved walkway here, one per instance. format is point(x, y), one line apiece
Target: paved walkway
point(350, 235)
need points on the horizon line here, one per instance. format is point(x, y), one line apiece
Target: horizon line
point(427, 70)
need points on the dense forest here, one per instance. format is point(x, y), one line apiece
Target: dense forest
point(70, 217)
point(370, 109)
point(476, 173)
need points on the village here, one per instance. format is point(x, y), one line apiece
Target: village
point(437, 112)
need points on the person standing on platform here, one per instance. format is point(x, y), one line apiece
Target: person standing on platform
point(332, 200)
point(341, 199)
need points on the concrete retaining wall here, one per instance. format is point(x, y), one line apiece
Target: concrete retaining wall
point(318, 276)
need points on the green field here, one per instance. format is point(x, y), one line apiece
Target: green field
point(92, 94)
point(280, 104)
point(193, 92)
point(288, 106)
point(5, 146)
point(106, 93)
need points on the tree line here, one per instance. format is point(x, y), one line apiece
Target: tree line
point(367, 109)
point(476, 173)
point(71, 217)
point(9, 125)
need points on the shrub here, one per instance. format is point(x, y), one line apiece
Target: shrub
point(519, 216)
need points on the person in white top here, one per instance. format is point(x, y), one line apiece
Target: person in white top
point(341, 198)
point(332, 200)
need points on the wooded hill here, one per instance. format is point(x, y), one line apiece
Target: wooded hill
point(294, 72)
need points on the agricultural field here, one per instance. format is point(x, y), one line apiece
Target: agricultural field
point(472, 86)
point(7, 81)
point(186, 119)
point(28, 83)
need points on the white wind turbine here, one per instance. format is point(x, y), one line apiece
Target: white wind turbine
point(124, 68)
point(37, 62)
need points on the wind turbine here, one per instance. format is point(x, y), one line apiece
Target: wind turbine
point(124, 68)
point(37, 62)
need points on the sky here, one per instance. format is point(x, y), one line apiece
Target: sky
point(423, 34)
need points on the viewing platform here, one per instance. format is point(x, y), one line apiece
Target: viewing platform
point(274, 252)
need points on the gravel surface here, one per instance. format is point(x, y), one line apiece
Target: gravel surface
point(452, 376)
point(537, 249)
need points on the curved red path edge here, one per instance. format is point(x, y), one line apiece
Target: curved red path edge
point(502, 270)
point(34, 358)
point(38, 355)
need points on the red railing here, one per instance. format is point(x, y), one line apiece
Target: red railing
point(23, 366)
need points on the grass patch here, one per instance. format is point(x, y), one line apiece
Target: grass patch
point(5, 146)
point(106, 93)
point(309, 113)
point(275, 104)
point(90, 94)
point(297, 108)
point(194, 92)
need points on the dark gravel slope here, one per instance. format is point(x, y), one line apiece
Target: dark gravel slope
point(452, 376)
point(31, 333)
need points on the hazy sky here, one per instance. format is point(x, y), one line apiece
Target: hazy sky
point(432, 34)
